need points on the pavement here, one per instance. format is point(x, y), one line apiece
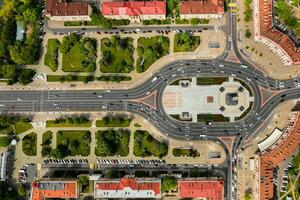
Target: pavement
point(204, 147)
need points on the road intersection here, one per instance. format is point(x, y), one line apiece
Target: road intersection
point(48, 101)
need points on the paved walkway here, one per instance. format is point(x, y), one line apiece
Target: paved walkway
point(202, 52)
point(203, 147)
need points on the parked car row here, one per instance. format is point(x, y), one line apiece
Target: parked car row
point(136, 162)
point(84, 32)
point(23, 172)
point(65, 161)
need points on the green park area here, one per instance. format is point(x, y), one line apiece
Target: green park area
point(145, 145)
point(29, 144)
point(287, 14)
point(72, 143)
point(185, 42)
point(10, 125)
point(211, 80)
point(114, 121)
point(112, 142)
point(78, 121)
point(178, 152)
point(117, 55)
point(46, 145)
point(293, 181)
point(149, 50)
point(79, 54)
point(51, 57)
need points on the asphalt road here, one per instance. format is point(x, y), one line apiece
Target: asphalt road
point(124, 100)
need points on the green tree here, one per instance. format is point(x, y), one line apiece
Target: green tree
point(4, 141)
point(195, 21)
point(22, 191)
point(168, 183)
point(247, 33)
point(7, 9)
point(83, 180)
point(26, 76)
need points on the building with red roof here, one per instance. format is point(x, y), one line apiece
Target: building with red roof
point(203, 9)
point(267, 34)
point(127, 188)
point(134, 10)
point(201, 188)
point(275, 154)
point(42, 190)
point(61, 10)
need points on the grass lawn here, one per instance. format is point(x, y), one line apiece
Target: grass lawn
point(117, 55)
point(183, 42)
point(211, 80)
point(74, 142)
point(150, 50)
point(46, 145)
point(113, 121)
point(17, 126)
point(21, 127)
point(185, 152)
point(79, 53)
point(71, 61)
point(146, 145)
point(112, 142)
point(51, 57)
point(212, 118)
point(53, 123)
point(29, 144)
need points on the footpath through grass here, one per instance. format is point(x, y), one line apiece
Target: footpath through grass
point(112, 143)
point(149, 50)
point(145, 145)
point(10, 125)
point(79, 54)
point(184, 42)
point(72, 143)
point(117, 55)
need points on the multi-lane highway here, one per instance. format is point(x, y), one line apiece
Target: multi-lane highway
point(114, 100)
point(125, 100)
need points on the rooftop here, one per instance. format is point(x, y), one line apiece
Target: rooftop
point(134, 8)
point(53, 189)
point(127, 188)
point(198, 188)
point(64, 8)
point(202, 7)
point(273, 157)
point(267, 30)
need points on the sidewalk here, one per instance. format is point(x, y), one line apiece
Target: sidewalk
point(203, 147)
point(202, 52)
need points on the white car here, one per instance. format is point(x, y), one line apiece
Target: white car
point(19, 99)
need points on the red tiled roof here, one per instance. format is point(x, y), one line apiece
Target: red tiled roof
point(68, 190)
point(210, 189)
point(274, 157)
point(63, 8)
point(132, 183)
point(202, 7)
point(134, 8)
point(268, 31)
